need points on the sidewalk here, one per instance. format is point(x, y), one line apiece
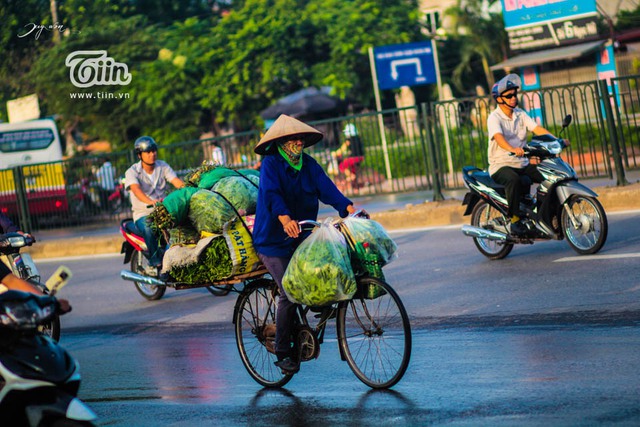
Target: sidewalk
point(393, 211)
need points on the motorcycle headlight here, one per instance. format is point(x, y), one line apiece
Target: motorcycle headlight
point(554, 147)
point(25, 314)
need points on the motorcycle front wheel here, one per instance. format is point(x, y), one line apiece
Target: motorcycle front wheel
point(587, 234)
point(489, 218)
point(139, 264)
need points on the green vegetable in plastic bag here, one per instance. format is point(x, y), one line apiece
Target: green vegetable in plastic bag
point(242, 194)
point(367, 230)
point(320, 272)
point(209, 211)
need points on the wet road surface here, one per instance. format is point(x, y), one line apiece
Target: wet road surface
point(469, 375)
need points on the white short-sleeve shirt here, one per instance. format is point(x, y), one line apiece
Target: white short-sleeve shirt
point(514, 129)
point(154, 185)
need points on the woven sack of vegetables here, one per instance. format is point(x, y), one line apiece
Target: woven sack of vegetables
point(211, 178)
point(173, 210)
point(241, 192)
point(367, 230)
point(209, 211)
point(320, 272)
point(213, 264)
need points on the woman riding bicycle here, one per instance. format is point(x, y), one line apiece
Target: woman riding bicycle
point(292, 184)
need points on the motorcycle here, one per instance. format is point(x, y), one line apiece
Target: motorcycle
point(144, 276)
point(39, 380)
point(118, 200)
point(562, 207)
point(22, 265)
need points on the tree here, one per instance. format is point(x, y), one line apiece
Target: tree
point(267, 49)
point(480, 36)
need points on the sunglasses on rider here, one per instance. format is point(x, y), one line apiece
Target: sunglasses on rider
point(511, 95)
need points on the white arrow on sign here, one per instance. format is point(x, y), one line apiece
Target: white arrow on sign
point(395, 64)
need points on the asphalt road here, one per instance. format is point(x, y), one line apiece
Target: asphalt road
point(543, 337)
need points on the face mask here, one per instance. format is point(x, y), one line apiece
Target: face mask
point(292, 151)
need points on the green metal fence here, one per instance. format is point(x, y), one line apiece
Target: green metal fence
point(415, 148)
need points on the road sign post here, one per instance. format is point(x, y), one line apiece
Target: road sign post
point(394, 66)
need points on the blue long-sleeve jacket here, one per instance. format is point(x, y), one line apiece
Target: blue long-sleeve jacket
point(285, 191)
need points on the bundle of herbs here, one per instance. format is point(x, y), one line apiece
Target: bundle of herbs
point(214, 264)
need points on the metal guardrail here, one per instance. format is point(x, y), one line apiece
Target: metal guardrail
point(417, 148)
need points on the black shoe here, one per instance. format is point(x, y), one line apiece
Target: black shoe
point(519, 229)
point(288, 366)
point(166, 277)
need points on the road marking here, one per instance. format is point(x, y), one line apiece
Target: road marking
point(598, 257)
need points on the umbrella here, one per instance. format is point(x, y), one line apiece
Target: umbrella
point(305, 103)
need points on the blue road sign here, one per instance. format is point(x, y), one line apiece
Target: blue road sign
point(409, 64)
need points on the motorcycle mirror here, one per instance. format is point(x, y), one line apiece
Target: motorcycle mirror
point(567, 120)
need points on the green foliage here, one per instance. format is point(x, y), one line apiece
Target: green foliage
point(628, 20)
point(478, 39)
point(215, 264)
point(194, 68)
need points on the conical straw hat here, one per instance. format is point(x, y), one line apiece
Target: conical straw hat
point(284, 128)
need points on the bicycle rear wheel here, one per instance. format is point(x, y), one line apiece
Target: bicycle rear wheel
point(255, 321)
point(375, 336)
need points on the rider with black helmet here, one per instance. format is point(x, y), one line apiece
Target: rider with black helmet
point(507, 127)
point(147, 181)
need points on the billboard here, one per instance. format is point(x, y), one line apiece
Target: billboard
point(542, 24)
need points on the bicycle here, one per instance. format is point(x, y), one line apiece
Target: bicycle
point(373, 331)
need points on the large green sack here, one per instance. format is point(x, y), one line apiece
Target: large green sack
point(209, 211)
point(240, 191)
point(173, 210)
point(320, 271)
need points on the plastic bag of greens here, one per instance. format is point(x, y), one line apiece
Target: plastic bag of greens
point(320, 272)
point(209, 211)
point(242, 194)
point(366, 230)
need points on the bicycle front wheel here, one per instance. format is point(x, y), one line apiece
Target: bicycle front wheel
point(255, 321)
point(374, 334)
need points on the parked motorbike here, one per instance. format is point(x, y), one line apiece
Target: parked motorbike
point(562, 207)
point(39, 380)
point(142, 274)
point(22, 265)
point(118, 200)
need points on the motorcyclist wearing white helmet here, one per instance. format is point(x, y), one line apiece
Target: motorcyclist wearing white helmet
point(147, 181)
point(507, 127)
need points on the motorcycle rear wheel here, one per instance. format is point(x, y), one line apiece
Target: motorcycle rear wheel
point(138, 265)
point(591, 233)
point(219, 291)
point(486, 216)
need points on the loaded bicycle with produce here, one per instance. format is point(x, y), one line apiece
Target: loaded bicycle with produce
point(272, 330)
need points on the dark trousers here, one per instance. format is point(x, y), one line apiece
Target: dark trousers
point(517, 183)
point(286, 310)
